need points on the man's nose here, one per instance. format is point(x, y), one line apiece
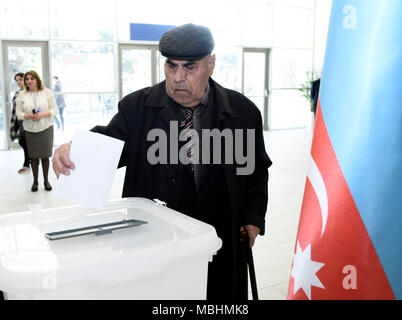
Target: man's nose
point(180, 74)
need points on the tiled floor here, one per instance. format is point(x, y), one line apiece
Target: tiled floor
point(273, 253)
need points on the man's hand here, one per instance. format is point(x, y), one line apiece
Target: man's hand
point(61, 160)
point(252, 232)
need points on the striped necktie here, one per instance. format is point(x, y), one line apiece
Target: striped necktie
point(186, 127)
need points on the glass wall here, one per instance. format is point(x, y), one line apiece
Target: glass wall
point(289, 71)
point(136, 65)
point(292, 58)
point(84, 66)
point(86, 73)
point(83, 39)
point(228, 67)
point(82, 20)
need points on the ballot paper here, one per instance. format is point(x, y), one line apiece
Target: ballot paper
point(96, 157)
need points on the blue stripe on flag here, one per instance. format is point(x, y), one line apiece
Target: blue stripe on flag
point(361, 99)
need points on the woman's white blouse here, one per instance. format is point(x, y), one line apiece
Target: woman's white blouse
point(45, 101)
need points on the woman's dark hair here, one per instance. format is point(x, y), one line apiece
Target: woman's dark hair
point(19, 74)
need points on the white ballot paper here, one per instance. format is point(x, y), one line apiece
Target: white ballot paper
point(96, 157)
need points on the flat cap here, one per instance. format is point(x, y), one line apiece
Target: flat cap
point(186, 42)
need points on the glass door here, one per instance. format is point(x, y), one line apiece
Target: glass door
point(255, 80)
point(140, 66)
point(20, 56)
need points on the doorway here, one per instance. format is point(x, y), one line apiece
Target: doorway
point(255, 84)
point(20, 56)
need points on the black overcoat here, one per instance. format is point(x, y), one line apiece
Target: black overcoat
point(147, 109)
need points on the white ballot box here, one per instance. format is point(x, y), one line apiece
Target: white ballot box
point(134, 249)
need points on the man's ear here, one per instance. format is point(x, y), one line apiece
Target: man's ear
point(211, 64)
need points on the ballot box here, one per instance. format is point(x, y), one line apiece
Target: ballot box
point(133, 249)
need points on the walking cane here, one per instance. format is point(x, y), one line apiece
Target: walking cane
point(250, 261)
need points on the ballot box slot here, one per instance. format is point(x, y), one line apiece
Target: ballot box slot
point(98, 230)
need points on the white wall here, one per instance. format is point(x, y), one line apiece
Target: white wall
point(321, 23)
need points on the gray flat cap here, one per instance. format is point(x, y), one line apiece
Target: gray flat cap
point(186, 42)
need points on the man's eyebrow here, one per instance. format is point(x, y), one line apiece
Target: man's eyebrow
point(189, 64)
point(185, 65)
point(170, 62)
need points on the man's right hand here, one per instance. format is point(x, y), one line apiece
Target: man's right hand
point(61, 160)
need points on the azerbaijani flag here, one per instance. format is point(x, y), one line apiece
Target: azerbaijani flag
point(349, 242)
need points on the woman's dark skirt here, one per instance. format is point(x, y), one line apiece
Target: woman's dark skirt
point(40, 144)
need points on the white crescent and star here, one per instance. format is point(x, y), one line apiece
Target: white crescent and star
point(304, 269)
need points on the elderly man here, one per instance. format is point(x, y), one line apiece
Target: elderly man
point(212, 192)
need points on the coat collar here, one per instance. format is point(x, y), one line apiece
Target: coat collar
point(222, 101)
point(158, 98)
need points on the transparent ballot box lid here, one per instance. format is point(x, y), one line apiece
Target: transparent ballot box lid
point(132, 238)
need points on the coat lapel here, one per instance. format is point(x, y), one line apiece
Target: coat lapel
point(159, 101)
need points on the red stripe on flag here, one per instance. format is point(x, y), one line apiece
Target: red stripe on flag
point(352, 269)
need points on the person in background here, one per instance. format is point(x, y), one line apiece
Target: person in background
point(36, 106)
point(17, 128)
point(61, 104)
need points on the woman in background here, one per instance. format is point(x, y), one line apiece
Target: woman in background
point(17, 128)
point(36, 106)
